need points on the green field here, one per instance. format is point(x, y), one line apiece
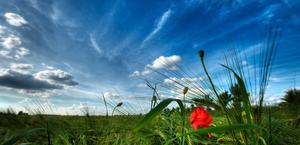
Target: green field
point(101, 130)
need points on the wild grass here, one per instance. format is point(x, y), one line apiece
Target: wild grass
point(118, 129)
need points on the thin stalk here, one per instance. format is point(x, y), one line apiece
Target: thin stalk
point(105, 104)
point(201, 54)
point(183, 121)
point(48, 134)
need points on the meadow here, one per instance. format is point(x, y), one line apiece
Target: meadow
point(102, 130)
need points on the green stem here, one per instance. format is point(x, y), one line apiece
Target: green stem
point(183, 123)
point(216, 93)
point(112, 114)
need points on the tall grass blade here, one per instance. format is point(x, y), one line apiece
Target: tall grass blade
point(244, 93)
point(232, 127)
point(22, 134)
point(157, 110)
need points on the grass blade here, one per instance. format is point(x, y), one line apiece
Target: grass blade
point(235, 127)
point(156, 111)
point(244, 93)
point(22, 134)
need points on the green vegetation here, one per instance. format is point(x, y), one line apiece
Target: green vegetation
point(101, 130)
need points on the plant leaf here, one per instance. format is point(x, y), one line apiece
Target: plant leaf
point(22, 134)
point(218, 129)
point(156, 111)
point(244, 93)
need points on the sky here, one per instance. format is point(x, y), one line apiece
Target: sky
point(63, 56)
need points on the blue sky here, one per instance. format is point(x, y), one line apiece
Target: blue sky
point(65, 53)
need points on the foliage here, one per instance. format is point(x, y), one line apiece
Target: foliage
point(291, 101)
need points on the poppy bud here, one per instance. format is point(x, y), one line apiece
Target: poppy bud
point(201, 53)
point(185, 90)
point(120, 104)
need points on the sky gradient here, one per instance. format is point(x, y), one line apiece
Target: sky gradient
point(64, 55)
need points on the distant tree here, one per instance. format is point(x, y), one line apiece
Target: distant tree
point(20, 113)
point(236, 94)
point(225, 98)
point(291, 100)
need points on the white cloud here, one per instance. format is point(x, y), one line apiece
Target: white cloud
point(271, 100)
point(163, 19)
point(2, 29)
point(172, 80)
point(5, 54)
point(14, 19)
point(110, 95)
point(161, 62)
point(135, 74)
point(146, 72)
point(56, 76)
point(83, 106)
point(165, 62)
point(21, 52)
point(11, 41)
point(21, 67)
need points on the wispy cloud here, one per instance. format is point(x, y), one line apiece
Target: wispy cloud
point(95, 44)
point(163, 19)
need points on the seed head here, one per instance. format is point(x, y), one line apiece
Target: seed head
point(201, 53)
point(185, 90)
point(120, 104)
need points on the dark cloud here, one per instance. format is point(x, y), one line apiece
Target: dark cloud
point(42, 81)
point(23, 81)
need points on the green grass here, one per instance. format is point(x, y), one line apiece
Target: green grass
point(101, 130)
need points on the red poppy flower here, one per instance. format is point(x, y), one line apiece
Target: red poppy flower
point(200, 118)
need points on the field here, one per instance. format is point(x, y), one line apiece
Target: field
point(81, 130)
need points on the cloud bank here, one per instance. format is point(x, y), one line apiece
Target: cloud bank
point(21, 78)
